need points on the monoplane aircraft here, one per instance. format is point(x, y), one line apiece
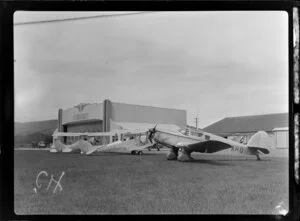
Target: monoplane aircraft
point(188, 141)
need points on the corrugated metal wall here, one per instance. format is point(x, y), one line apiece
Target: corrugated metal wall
point(88, 112)
point(282, 139)
point(85, 127)
point(146, 114)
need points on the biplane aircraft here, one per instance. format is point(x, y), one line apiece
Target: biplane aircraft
point(133, 146)
point(87, 145)
point(185, 141)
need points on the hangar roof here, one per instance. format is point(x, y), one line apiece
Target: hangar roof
point(248, 123)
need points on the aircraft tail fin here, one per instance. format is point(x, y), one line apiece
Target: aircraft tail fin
point(84, 146)
point(60, 147)
point(260, 141)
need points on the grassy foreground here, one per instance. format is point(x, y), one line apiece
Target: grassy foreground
point(149, 184)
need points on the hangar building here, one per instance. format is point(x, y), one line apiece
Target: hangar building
point(242, 128)
point(116, 119)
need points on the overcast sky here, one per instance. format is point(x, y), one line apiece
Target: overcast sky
point(212, 64)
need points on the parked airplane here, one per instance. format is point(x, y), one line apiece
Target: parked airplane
point(189, 141)
point(82, 146)
point(134, 146)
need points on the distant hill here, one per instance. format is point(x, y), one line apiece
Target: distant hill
point(46, 127)
point(35, 137)
point(28, 132)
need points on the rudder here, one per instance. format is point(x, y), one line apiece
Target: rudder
point(260, 141)
point(60, 147)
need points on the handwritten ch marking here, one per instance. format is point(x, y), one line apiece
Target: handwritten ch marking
point(58, 185)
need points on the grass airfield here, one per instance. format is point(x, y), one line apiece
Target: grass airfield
point(107, 183)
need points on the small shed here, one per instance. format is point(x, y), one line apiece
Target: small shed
point(242, 128)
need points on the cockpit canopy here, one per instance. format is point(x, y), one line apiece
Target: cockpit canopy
point(184, 131)
point(189, 132)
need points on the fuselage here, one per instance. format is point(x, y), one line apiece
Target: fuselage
point(175, 139)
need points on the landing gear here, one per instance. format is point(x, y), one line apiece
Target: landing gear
point(172, 155)
point(137, 152)
point(185, 155)
point(157, 146)
point(258, 158)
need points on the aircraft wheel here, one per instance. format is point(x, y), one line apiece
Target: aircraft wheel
point(133, 152)
point(157, 149)
point(140, 153)
point(149, 149)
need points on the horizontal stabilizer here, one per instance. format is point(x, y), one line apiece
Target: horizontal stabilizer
point(263, 150)
point(53, 150)
point(66, 150)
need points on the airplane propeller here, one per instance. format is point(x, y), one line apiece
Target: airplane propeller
point(151, 133)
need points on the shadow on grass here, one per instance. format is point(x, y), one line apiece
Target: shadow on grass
point(153, 154)
point(106, 154)
point(145, 154)
point(211, 162)
point(246, 159)
point(223, 162)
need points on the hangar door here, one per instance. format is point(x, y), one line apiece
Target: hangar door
point(282, 139)
point(95, 126)
point(85, 127)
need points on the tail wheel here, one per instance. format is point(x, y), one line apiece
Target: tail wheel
point(258, 158)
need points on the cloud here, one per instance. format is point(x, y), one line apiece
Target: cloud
point(213, 64)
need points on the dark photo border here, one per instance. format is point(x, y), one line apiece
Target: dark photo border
point(7, 9)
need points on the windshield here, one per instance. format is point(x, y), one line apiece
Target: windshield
point(184, 131)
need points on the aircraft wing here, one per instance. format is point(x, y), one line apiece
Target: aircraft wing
point(141, 147)
point(92, 149)
point(209, 146)
point(126, 146)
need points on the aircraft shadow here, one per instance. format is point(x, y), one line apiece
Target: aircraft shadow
point(228, 160)
point(245, 160)
point(211, 162)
